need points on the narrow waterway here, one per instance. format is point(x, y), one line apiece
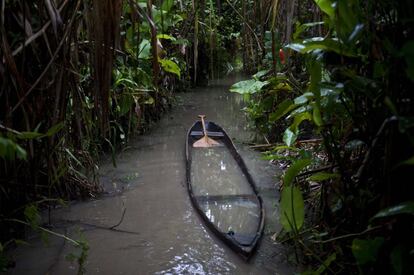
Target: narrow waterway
point(160, 232)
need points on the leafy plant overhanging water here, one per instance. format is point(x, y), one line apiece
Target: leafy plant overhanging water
point(331, 94)
point(342, 104)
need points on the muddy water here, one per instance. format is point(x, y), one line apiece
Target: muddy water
point(160, 232)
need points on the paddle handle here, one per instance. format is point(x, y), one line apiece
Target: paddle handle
point(203, 123)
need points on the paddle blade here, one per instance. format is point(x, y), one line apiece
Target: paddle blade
point(206, 142)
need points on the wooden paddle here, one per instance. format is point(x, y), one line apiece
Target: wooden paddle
point(205, 141)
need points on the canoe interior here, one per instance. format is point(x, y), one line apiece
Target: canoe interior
point(223, 191)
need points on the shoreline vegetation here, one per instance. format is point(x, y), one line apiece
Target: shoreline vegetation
point(330, 92)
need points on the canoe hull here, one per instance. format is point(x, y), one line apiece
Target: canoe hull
point(245, 247)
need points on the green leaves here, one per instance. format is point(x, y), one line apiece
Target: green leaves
point(282, 109)
point(324, 44)
point(144, 49)
point(289, 137)
point(34, 135)
point(292, 209)
point(343, 17)
point(166, 36)
point(9, 149)
point(260, 74)
point(30, 135)
point(170, 66)
point(55, 129)
point(126, 82)
point(250, 86)
point(294, 170)
point(167, 5)
point(409, 161)
point(125, 103)
point(402, 208)
point(300, 28)
point(326, 6)
point(366, 251)
point(32, 216)
point(323, 176)
point(316, 115)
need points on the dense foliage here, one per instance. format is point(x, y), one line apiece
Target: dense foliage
point(78, 78)
point(333, 81)
point(343, 107)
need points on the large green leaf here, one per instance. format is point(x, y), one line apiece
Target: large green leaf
point(166, 36)
point(316, 115)
point(30, 135)
point(366, 251)
point(402, 208)
point(409, 161)
point(300, 28)
point(181, 41)
point(54, 129)
point(125, 103)
point(347, 18)
point(34, 135)
point(32, 216)
point(126, 82)
point(144, 78)
point(282, 87)
point(294, 170)
point(170, 66)
point(289, 137)
point(303, 98)
point(9, 150)
point(322, 176)
point(315, 70)
point(326, 6)
point(259, 74)
point(167, 5)
point(325, 44)
point(282, 109)
point(250, 86)
point(298, 119)
point(292, 209)
point(144, 49)
point(303, 109)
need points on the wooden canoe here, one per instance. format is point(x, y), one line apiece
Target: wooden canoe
point(228, 203)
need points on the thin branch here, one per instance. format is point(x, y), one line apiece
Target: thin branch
point(314, 140)
point(4, 128)
point(120, 221)
point(100, 226)
point(350, 235)
point(46, 230)
point(262, 146)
